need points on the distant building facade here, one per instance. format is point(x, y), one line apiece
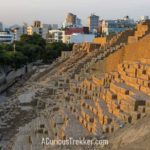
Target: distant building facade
point(6, 37)
point(41, 29)
point(1, 26)
point(31, 30)
point(115, 26)
point(17, 32)
point(45, 30)
point(72, 21)
point(93, 23)
point(66, 35)
point(37, 24)
point(35, 28)
point(79, 38)
point(144, 18)
point(55, 36)
point(54, 26)
point(70, 31)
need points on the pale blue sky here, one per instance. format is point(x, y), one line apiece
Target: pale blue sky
point(54, 11)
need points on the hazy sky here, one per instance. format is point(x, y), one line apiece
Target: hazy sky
point(54, 11)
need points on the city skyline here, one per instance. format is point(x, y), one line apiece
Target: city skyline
point(52, 11)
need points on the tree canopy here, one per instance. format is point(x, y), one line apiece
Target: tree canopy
point(29, 49)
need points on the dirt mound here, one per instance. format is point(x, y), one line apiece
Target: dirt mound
point(132, 137)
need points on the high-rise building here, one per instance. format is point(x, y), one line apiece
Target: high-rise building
point(110, 27)
point(37, 24)
point(25, 26)
point(1, 26)
point(93, 22)
point(35, 28)
point(72, 21)
point(78, 22)
point(45, 30)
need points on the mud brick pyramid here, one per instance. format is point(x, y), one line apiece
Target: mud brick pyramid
point(109, 101)
point(92, 104)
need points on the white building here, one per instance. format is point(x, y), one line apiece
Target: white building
point(41, 29)
point(55, 36)
point(79, 38)
point(6, 37)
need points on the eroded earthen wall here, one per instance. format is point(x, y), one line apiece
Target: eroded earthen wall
point(131, 52)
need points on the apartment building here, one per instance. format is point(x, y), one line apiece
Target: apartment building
point(72, 21)
point(93, 23)
point(115, 26)
point(32, 29)
point(6, 37)
point(55, 36)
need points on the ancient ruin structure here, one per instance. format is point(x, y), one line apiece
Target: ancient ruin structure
point(93, 91)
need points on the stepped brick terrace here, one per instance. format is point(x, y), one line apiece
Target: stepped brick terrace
point(93, 91)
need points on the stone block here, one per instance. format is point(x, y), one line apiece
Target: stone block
point(124, 107)
point(85, 123)
point(120, 96)
point(95, 111)
point(81, 119)
point(145, 61)
point(135, 101)
point(131, 69)
point(101, 119)
point(145, 90)
point(147, 84)
point(141, 109)
point(135, 115)
point(116, 112)
point(106, 128)
point(110, 95)
point(126, 65)
point(90, 129)
point(132, 39)
point(140, 82)
point(136, 86)
point(115, 125)
point(144, 77)
point(147, 107)
point(107, 120)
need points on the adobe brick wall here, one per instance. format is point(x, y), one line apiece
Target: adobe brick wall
point(139, 50)
point(100, 40)
point(131, 52)
point(110, 63)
